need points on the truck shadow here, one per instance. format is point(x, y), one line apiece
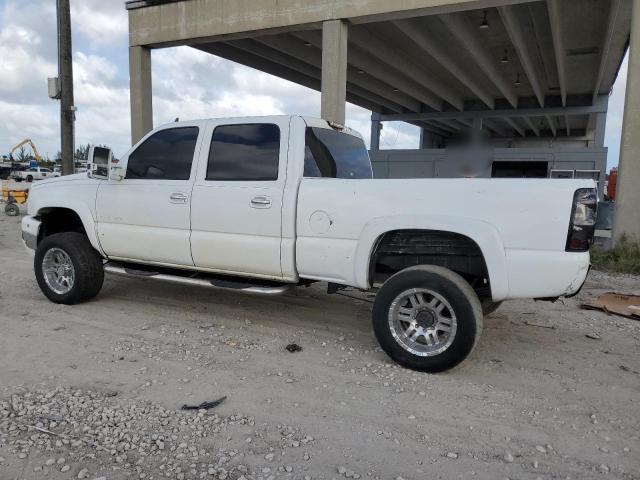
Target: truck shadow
point(301, 307)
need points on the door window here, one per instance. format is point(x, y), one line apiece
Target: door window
point(245, 152)
point(165, 155)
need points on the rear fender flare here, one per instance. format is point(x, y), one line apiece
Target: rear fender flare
point(484, 234)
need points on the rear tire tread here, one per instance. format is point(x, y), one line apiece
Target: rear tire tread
point(451, 286)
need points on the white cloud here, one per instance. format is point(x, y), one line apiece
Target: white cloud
point(28, 51)
point(102, 101)
point(104, 22)
point(23, 70)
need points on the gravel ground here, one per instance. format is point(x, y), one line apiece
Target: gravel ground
point(95, 390)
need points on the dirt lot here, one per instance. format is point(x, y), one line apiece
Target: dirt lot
point(95, 390)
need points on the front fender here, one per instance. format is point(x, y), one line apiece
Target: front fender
point(483, 233)
point(82, 203)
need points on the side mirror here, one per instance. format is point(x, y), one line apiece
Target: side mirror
point(100, 161)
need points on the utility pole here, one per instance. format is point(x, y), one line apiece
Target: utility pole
point(65, 76)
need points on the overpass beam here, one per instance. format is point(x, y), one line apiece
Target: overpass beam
point(552, 125)
point(140, 94)
point(553, 8)
point(334, 71)
point(513, 124)
point(627, 213)
point(518, 38)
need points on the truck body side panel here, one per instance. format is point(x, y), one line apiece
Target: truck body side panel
point(516, 223)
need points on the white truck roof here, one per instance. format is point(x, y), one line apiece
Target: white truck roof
point(310, 121)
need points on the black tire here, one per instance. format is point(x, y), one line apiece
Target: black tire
point(18, 179)
point(488, 307)
point(454, 290)
point(87, 267)
point(29, 178)
point(12, 209)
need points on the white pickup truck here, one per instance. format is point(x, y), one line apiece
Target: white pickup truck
point(262, 204)
point(34, 173)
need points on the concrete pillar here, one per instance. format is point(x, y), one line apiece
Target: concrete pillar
point(140, 92)
point(601, 125)
point(476, 131)
point(334, 71)
point(376, 127)
point(627, 213)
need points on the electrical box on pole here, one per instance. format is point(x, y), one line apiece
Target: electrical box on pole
point(54, 88)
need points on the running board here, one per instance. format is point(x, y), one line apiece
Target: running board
point(200, 280)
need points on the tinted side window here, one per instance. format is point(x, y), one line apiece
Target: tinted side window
point(244, 152)
point(311, 168)
point(335, 155)
point(165, 155)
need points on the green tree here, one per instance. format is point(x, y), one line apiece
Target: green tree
point(22, 155)
point(82, 152)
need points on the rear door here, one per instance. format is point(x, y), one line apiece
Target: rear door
point(145, 216)
point(236, 215)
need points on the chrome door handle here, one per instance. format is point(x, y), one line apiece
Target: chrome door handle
point(260, 202)
point(178, 197)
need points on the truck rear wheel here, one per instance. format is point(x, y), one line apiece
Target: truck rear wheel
point(427, 318)
point(29, 178)
point(68, 269)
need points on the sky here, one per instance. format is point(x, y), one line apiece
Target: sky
point(187, 83)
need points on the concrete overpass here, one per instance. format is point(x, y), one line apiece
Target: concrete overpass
point(501, 72)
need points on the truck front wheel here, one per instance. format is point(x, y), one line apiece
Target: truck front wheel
point(427, 318)
point(488, 307)
point(68, 269)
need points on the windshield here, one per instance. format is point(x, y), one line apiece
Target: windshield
point(333, 154)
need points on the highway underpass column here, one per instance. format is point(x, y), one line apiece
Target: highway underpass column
point(376, 126)
point(627, 213)
point(476, 131)
point(140, 92)
point(334, 70)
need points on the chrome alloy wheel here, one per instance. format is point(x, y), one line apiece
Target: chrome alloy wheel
point(58, 271)
point(422, 322)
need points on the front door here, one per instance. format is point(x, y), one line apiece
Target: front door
point(145, 216)
point(236, 214)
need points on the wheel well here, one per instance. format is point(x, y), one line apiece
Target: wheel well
point(399, 249)
point(58, 220)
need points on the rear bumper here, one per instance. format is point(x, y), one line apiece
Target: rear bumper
point(581, 285)
point(545, 274)
point(30, 231)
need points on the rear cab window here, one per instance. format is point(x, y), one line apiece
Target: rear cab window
point(333, 154)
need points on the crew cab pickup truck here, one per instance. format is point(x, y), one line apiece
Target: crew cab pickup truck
point(262, 204)
point(34, 173)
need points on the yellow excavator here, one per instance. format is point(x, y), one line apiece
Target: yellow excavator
point(36, 155)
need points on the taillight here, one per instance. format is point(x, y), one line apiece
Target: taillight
point(583, 220)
